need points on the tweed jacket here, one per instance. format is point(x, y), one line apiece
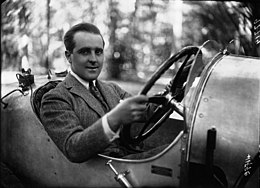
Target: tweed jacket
point(71, 116)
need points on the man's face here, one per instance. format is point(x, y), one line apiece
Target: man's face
point(87, 57)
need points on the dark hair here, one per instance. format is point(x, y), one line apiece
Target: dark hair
point(69, 35)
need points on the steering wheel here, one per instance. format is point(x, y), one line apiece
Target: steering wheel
point(167, 101)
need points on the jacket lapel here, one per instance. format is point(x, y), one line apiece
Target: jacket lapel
point(74, 86)
point(109, 94)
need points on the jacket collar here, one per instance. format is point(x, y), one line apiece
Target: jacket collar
point(74, 86)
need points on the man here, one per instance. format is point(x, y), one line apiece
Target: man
point(80, 123)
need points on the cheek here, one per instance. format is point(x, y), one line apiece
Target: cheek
point(101, 60)
point(77, 65)
point(79, 60)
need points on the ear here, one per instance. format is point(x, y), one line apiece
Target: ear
point(68, 56)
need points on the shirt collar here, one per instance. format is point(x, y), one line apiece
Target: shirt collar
point(82, 81)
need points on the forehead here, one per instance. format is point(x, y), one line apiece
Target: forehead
point(85, 39)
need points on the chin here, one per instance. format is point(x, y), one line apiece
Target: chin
point(90, 76)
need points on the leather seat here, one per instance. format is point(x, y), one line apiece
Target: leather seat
point(38, 94)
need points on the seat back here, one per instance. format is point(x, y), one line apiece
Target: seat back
point(38, 94)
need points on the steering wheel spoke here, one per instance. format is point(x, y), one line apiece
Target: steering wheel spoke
point(159, 117)
point(160, 110)
point(158, 100)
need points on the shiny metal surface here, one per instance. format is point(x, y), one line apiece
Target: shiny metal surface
point(229, 101)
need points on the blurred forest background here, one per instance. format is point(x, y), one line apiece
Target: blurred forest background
point(139, 34)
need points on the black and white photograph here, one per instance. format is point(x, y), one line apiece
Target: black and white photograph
point(130, 93)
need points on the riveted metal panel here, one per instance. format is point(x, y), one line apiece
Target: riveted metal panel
point(230, 102)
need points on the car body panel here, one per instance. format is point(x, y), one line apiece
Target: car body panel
point(229, 102)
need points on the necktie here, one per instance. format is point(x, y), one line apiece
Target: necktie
point(95, 92)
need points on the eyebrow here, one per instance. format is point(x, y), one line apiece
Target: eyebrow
point(88, 48)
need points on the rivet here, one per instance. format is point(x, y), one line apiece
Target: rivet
point(201, 115)
point(205, 99)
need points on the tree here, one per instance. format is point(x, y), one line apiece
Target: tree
point(248, 13)
point(223, 22)
point(113, 60)
point(153, 34)
point(43, 23)
point(14, 24)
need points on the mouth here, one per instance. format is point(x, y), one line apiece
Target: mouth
point(92, 68)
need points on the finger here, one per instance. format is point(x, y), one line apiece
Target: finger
point(140, 99)
point(137, 113)
point(142, 107)
point(139, 107)
point(139, 117)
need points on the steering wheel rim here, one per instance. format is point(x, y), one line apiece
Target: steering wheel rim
point(166, 65)
point(165, 102)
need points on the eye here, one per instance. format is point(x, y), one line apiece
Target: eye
point(99, 51)
point(85, 51)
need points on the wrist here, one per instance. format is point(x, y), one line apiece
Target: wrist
point(113, 122)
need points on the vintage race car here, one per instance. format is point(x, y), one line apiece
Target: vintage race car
point(213, 101)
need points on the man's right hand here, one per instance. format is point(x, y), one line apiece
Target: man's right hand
point(127, 111)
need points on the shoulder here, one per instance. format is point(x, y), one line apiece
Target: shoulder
point(110, 84)
point(116, 88)
point(57, 90)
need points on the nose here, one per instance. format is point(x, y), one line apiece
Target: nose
point(92, 57)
